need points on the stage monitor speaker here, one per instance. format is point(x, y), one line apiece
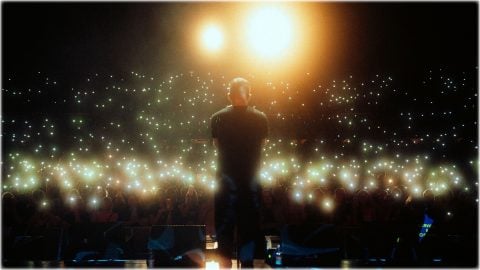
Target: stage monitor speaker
point(177, 246)
point(92, 242)
point(136, 242)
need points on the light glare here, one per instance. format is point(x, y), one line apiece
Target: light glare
point(212, 38)
point(269, 31)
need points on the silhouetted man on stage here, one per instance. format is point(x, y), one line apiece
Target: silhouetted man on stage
point(239, 132)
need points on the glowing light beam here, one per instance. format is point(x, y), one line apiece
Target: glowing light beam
point(269, 31)
point(212, 38)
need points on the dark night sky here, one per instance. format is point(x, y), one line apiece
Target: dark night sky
point(72, 39)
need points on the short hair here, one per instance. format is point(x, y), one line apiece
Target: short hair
point(239, 86)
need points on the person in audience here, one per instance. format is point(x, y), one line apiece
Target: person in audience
point(207, 212)
point(10, 217)
point(105, 213)
point(43, 216)
point(120, 206)
point(271, 216)
point(167, 215)
point(189, 208)
point(76, 213)
point(342, 214)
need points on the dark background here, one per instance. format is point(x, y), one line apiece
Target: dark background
point(69, 42)
point(79, 38)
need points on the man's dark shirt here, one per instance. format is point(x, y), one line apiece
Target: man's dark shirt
point(240, 132)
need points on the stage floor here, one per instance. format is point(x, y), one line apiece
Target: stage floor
point(138, 264)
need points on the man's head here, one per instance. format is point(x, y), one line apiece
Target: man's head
point(239, 92)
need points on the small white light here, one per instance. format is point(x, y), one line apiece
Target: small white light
point(212, 265)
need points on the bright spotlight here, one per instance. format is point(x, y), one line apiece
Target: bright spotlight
point(269, 31)
point(212, 38)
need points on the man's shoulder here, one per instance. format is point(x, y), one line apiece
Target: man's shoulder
point(221, 112)
point(258, 113)
point(229, 109)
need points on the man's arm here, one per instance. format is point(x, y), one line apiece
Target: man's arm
point(213, 128)
point(265, 130)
